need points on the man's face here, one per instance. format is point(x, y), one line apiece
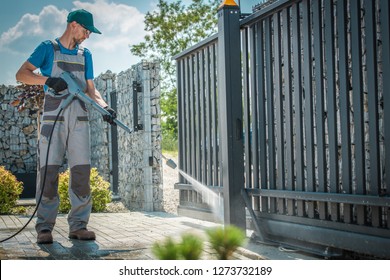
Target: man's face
point(81, 33)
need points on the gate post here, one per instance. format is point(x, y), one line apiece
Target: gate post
point(230, 112)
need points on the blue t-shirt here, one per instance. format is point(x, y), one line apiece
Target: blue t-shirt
point(43, 57)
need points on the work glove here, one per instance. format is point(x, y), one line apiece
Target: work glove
point(111, 117)
point(57, 84)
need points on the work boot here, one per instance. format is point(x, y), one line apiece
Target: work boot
point(82, 234)
point(44, 237)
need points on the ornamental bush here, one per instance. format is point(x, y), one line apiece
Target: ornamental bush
point(190, 248)
point(100, 189)
point(226, 240)
point(167, 250)
point(10, 190)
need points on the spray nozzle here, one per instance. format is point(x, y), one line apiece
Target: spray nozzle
point(171, 163)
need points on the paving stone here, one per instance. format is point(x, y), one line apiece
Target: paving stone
point(119, 236)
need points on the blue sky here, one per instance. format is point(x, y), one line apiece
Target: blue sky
point(26, 23)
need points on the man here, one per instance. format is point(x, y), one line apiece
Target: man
point(71, 132)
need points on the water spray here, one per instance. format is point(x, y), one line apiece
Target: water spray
point(214, 200)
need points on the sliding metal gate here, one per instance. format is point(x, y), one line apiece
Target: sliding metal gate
point(315, 85)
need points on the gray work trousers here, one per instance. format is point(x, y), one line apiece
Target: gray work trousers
point(71, 136)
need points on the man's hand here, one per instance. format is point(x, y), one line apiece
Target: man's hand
point(57, 84)
point(111, 117)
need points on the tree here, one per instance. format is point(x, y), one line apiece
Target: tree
point(172, 28)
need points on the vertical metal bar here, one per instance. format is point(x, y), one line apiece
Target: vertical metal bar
point(307, 79)
point(385, 31)
point(344, 105)
point(192, 117)
point(195, 120)
point(188, 114)
point(208, 117)
point(188, 67)
point(297, 68)
point(181, 86)
point(194, 198)
point(246, 108)
point(184, 118)
point(372, 87)
point(289, 109)
point(262, 113)
point(214, 119)
point(199, 177)
point(135, 105)
point(331, 106)
point(358, 113)
point(270, 108)
point(320, 114)
point(202, 108)
point(194, 139)
point(388, 216)
point(279, 111)
point(114, 145)
point(197, 117)
point(254, 96)
point(181, 114)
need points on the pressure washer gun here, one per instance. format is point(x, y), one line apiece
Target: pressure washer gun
point(75, 91)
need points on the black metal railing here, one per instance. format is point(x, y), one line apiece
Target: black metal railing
point(198, 124)
point(314, 84)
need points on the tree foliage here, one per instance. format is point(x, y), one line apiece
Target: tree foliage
point(172, 28)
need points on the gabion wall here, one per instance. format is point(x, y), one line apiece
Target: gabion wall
point(139, 161)
point(139, 156)
point(18, 134)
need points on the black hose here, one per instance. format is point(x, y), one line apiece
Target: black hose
point(43, 183)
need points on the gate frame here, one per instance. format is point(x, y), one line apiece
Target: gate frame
point(325, 236)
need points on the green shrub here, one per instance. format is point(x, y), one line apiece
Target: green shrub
point(168, 250)
point(169, 143)
point(100, 189)
point(19, 210)
point(225, 240)
point(190, 248)
point(10, 190)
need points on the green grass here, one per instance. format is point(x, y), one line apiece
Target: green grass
point(169, 144)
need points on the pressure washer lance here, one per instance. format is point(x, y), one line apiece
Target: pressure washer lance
point(75, 91)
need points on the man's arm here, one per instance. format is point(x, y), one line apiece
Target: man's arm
point(95, 94)
point(27, 76)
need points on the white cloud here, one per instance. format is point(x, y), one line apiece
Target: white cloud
point(46, 24)
point(120, 24)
